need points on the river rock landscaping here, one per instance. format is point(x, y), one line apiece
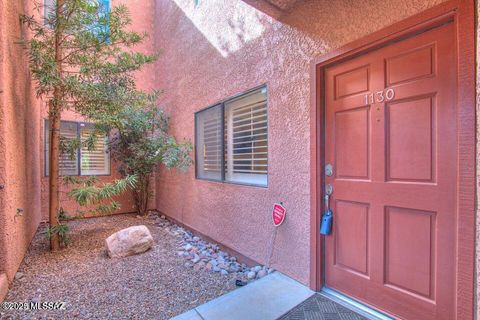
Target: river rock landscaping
point(180, 272)
point(203, 255)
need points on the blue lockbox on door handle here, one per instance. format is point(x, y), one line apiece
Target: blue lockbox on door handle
point(327, 218)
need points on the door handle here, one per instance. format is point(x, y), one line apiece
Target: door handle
point(327, 202)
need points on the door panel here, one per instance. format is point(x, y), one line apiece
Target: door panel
point(352, 143)
point(351, 241)
point(394, 182)
point(410, 125)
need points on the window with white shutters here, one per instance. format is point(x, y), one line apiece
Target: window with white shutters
point(84, 162)
point(244, 142)
point(209, 146)
point(247, 136)
point(95, 161)
point(48, 10)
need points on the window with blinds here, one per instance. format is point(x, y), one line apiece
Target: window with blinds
point(209, 143)
point(85, 162)
point(246, 138)
point(232, 140)
point(97, 160)
point(48, 10)
point(68, 166)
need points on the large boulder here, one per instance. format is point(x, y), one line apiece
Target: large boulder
point(129, 241)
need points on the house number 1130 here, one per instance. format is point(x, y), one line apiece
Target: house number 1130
point(379, 96)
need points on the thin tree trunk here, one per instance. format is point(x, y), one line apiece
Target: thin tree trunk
point(54, 122)
point(140, 195)
point(146, 195)
point(55, 107)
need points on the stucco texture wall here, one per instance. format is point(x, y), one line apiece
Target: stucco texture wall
point(220, 48)
point(19, 148)
point(478, 159)
point(142, 17)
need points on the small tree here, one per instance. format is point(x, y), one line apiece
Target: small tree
point(82, 59)
point(139, 142)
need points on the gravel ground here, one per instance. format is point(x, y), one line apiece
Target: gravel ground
point(153, 285)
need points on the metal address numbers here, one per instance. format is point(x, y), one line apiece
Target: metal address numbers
point(379, 96)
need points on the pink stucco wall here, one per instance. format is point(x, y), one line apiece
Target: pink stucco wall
point(478, 160)
point(19, 148)
point(220, 48)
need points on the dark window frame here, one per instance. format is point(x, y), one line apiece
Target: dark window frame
point(222, 104)
point(46, 154)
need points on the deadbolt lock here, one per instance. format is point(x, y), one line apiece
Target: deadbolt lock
point(329, 170)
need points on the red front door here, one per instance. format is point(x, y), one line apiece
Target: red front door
point(390, 136)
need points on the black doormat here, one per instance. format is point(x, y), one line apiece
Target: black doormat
point(318, 307)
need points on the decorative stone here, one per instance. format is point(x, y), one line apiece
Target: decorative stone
point(262, 273)
point(196, 258)
point(200, 254)
point(19, 275)
point(223, 265)
point(234, 268)
point(129, 241)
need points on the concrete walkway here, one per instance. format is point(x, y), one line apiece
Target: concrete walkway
point(266, 299)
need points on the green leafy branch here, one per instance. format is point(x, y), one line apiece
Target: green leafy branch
point(62, 231)
point(87, 193)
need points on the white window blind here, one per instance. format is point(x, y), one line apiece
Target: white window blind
point(246, 157)
point(48, 9)
point(95, 161)
point(67, 165)
point(85, 162)
point(209, 142)
point(232, 140)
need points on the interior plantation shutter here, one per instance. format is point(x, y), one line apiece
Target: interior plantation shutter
point(96, 161)
point(209, 139)
point(48, 8)
point(246, 126)
point(67, 165)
